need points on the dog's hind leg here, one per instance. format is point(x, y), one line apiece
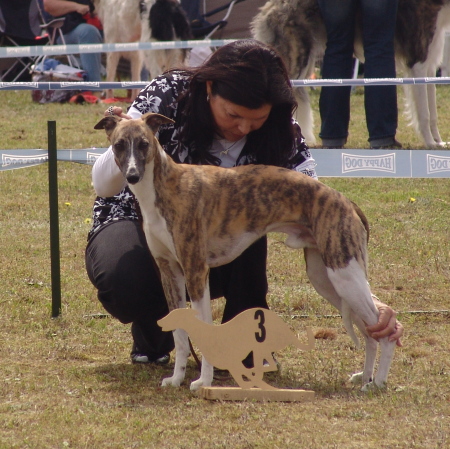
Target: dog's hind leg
point(136, 66)
point(152, 61)
point(365, 377)
point(304, 115)
point(317, 274)
point(434, 59)
point(384, 364)
point(351, 285)
point(112, 61)
point(339, 297)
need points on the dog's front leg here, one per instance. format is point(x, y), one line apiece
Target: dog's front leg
point(419, 105)
point(181, 339)
point(203, 306)
point(175, 290)
point(432, 106)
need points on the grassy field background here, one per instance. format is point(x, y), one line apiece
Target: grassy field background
point(68, 382)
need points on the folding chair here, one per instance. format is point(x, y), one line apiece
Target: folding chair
point(201, 27)
point(21, 24)
point(51, 29)
point(231, 25)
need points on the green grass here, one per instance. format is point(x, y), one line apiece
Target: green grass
point(68, 383)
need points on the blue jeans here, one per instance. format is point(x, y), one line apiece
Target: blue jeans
point(378, 18)
point(90, 62)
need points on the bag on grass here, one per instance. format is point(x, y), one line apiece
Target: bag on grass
point(51, 70)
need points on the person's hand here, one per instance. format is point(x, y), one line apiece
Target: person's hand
point(82, 9)
point(387, 325)
point(116, 110)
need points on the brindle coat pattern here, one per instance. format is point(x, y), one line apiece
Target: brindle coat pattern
point(197, 217)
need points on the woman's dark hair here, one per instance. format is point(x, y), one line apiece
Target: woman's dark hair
point(250, 74)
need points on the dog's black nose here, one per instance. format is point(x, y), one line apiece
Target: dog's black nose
point(133, 179)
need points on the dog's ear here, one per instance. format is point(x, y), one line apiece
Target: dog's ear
point(108, 124)
point(154, 121)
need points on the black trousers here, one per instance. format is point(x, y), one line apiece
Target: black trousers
point(121, 267)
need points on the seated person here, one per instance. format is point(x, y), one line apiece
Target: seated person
point(76, 30)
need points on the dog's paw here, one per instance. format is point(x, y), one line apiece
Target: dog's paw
point(199, 383)
point(372, 386)
point(171, 382)
point(356, 378)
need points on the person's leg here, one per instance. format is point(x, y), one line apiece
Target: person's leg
point(334, 103)
point(120, 266)
point(90, 62)
point(243, 282)
point(378, 27)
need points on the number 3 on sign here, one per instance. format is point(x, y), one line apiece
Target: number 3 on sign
point(261, 335)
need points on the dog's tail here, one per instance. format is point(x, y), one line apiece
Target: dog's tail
point(363, 219)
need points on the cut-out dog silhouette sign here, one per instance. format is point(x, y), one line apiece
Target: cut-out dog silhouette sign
point(257, 331)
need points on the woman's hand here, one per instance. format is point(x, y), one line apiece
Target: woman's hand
point(116, 110)
point(82, 9)
point(387, 325)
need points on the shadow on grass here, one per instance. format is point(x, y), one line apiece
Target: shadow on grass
point(144, 381)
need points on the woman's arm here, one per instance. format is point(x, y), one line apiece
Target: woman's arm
point(107, 179)
point(62, 7)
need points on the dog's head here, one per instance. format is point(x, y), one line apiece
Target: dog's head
point(133, 142)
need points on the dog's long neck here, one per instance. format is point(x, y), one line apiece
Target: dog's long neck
point(150, 191)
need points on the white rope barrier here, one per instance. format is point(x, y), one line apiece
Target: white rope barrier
point(370, 81)
point(52, 50)
point(84, 85)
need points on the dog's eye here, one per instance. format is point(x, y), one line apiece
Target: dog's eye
point(118, 146)
point(143, 145)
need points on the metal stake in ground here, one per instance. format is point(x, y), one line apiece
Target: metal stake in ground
point(54, 220)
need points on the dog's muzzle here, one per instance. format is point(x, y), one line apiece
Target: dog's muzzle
point(133, 176)
point(133, 179)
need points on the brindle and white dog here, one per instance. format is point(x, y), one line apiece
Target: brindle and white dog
point(197, 217)
point(296, 30)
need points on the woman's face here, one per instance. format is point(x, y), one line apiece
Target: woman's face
point(233, 122)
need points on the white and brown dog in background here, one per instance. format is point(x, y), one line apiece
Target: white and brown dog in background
point(296, 30)
point(198, 217)
point(126, 21)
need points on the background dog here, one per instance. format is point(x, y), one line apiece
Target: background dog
point(197, 217)
point(295, 28)
point(164, 20)
point(126, 21)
